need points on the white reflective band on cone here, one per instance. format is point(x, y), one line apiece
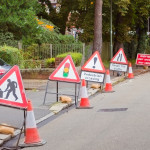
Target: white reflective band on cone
point(130, 70)
point(30, 120)
point(84, 92)
point(108, 79)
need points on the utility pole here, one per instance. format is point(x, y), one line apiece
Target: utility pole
point(111, 45)
point(97, 45)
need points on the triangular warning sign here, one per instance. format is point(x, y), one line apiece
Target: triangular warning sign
point(94, 64)
point(119, 57)
point(66, 71)
point(12, 92)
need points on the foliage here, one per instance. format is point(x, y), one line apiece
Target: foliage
point(77, 57)
point(59, 19)
point(49, 61)
point(8, 39)
point(30, 52)
point(18, 17)
point(49, 33)
point(11, 55)
point(43, 51)
point(83, 18)
point(31, 64)
point(106, 64)
point(66, 39)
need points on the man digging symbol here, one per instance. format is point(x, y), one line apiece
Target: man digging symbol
point(11, 87)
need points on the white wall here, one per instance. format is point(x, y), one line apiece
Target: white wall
point(53, 1)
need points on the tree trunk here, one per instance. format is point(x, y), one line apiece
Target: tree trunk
point(117, 42)
point(117, 46)
point(141, 47)
point(97, 45)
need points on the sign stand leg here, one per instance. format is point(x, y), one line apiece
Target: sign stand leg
point(78, 95)
point(57, 91)
point(24, 122)
point(75, 94)
point(45, 93)
point(25, 114)
point(23, 126)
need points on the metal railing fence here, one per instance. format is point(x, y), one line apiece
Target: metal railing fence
point(44, 51)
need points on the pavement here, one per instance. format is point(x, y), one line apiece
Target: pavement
point(35, 91)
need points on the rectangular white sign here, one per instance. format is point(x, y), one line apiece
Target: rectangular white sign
point(118, 67)
point(92, 76)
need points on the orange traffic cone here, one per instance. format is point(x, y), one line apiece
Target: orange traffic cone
point(108, 85)
point(130, 74)
point(32, 137)
point(84, 102)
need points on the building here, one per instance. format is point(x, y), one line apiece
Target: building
point(54, 3)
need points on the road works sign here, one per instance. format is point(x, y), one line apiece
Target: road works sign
point(119, 61)
point(66, 71)
point(143, 59)
point(93, 69)
point(119, 57)
point(12, 92)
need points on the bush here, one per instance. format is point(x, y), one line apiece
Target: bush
point(49, 62)
point(77, 57)
point(8, 39)
point(31, 52)
point(11, 55)
point(31, 64)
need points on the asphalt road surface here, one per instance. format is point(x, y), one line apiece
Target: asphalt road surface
point(117, 121)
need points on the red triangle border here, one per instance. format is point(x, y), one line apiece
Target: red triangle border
point(20, 85)
point(51, 77)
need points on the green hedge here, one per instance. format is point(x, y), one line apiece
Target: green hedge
point(11, 55)
point(49, 61)
point(77, 57)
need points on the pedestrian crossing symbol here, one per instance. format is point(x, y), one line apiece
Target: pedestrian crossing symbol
point(11, 89)
point(119, 57)
point(66, 71)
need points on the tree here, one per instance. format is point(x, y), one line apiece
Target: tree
point(83, 18)
point(98, 26)
point(142, 11)
point(121, 23)
point(59, 19)
point(46, 9)
point(18, 17)
point(129, 21)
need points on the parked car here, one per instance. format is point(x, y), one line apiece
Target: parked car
point(4, 67)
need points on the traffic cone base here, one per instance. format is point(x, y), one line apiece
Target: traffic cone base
point(42, 142)
point(130, 76)
point(130, 73)
point(32, 137)
point(84, 102)
point(84, 107)
point(108, 85)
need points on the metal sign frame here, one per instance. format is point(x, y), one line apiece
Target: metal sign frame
point(22, 127)
point(57, 91)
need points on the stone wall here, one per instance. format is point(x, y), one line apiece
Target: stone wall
point(41, 74)
point(36, 73)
